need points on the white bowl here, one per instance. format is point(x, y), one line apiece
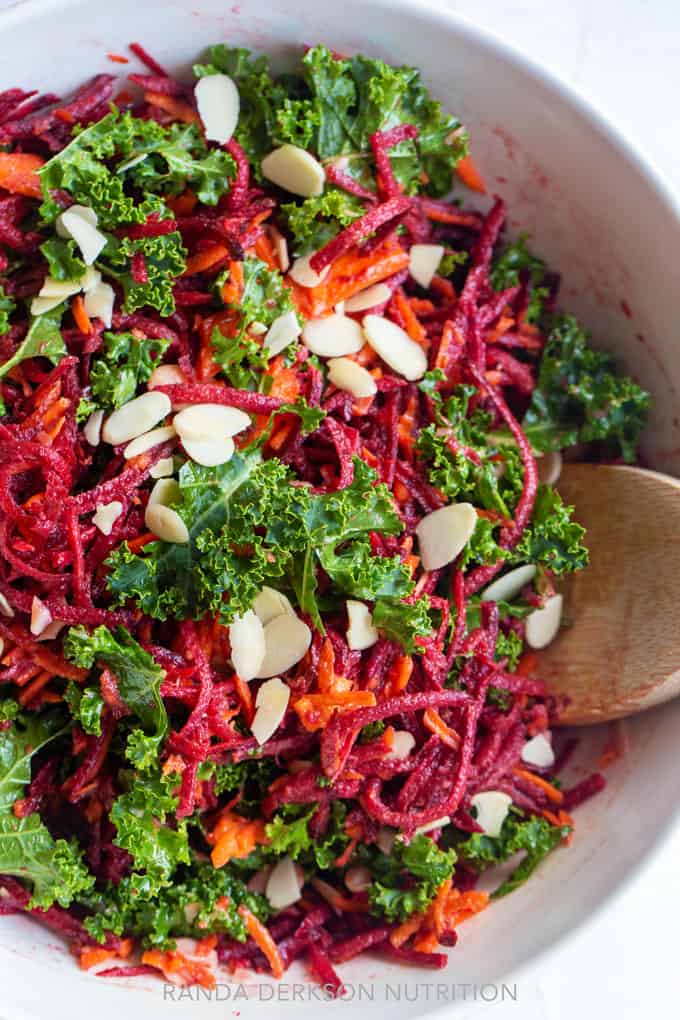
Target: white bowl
point(604, 219)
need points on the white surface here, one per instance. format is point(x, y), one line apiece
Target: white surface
point(624, 56)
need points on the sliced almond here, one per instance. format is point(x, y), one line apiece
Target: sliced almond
point(166, 524)
point(403, 743)
point(378, 294)
point(444, 533)
point(209, 454)
point(549, 467)
point(42, 305)
point(90, 279)
point(542, 626)
point(246, 636)
point(106, 516)
point(207, 422)
point(361, 633)
point(148, 440)
point(41, 617)
point(358, 879)
point(135, 418)
point(257, 328)
point(351, 377)
point(166, 375)
point(218, 104)
point(280, 247)
point(85, 213)
point(509, 585)
point(282, 332)
point(163, 467)
point(491, 809)
point(164, 492)
point(52, 631)
point(271, 603)
point(333, 336)
point(93, 428)
point(287, 639)
point(283, 885)
point(59, 288)
point(303, 274)
point(385, 839)
point(90, 240)
point(5, 607)
point(270, 708)
point(99, 303)
point(538, 751)
point(423, 260)
point(395, 347)
point(436, 823)
point(295, 170)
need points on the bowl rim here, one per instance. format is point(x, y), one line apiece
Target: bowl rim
point(438, 15)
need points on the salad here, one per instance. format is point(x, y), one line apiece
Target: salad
point(281, 420)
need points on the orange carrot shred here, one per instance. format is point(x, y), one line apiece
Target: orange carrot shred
point(553, 794)
point(18, 173)
point(470, 175)
point(261, 936)
point(81, 317)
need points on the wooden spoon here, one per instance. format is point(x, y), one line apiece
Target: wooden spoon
point(620, 653)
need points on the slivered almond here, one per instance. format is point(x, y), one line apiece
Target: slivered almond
point(333, 336)
point(218, 104)
point(351, 377)
point(164, 492)
point(85, 213)
point(148, 440)
point(395, 347)
point(378, 294)
point(282, 332)
point(166, 375)
point(491, 808)
point(166, 524)
point(90, 240)
point(207, 422)
point(549, 467)
point(163, 467)
point(287, 639)
point(271, 603)
point(283, 885)
point(423, 261)
point(509, 585)
point(246, 636)
point(538, 751)
point(280, 247)
point(59, 288)
point(403, 743)
point(436, 823)
point(93, 428)
point(41, 617)
point(358, 879)
point(385, 839)
point(135, 418)
point(5, 607)
point(444, 533)
point(270, 708)
point(210, 453)
point(106, 516)
point(295, 170)
point(361, 633)
point(52, 631)
point(99, 303)
point(41, 305)
point(542, 626)
point(304, 275)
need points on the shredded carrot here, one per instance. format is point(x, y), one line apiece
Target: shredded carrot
point(55, 410)
point(553, 794)
point(426, 942)
point(349, 274)
point(505, 323)
point(399, 676)
point(234, 837)
point(260, 935)
point(315, 710)
point(470, 175)
point(460, 906)
point(280, 435)
point(412, 325)
point(264, 249)
point(233, 288)
point(325, 670)
point(116, 58)
point(245, 697)
point(176, 965)
point(184, 204)
point(435, 724)
point(444, 287)
point(135, 544)
point(405, 930)
point(343, 904)
point(29, 692)
point(203, 260)
point(18, 173)
point(81, 317)
point(528, 664)
point(342, 860)
point(92, 955)
point(177, 108)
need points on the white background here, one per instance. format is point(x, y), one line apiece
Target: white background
point(624, 56)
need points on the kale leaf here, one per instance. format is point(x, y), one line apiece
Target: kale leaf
point(124, 363)
point(406, 881)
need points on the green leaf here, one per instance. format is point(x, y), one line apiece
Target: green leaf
point(28, 734)
point(403, 621)
point(552, 537)
point(124, 363)
point(86, 704)
point(139, 677)
point(505, 272)
point(165, 260)
point(141, 817)
point(579, 397)
point(406, 880)
point(63, 259)
point(43, 340)
point(7, 307)
point(315, 221)
point(534, 835)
